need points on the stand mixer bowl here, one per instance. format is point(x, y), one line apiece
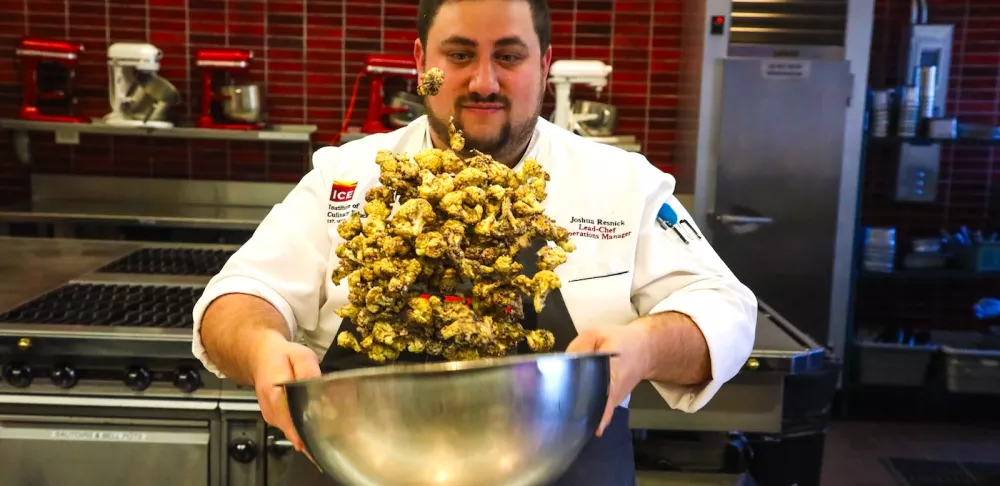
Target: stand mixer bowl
point(513, 421)
point(153, 96)
point(241, 103)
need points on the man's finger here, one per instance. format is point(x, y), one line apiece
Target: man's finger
point(310, 457)
point(304, 367)
point(284, 419)
point(280, 416)
point(286, 426)
point(583, 343)
point(609, 410)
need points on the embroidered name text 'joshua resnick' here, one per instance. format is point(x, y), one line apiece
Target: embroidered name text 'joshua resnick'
point(597, 228)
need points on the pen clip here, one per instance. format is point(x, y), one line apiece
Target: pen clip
point(667, 227)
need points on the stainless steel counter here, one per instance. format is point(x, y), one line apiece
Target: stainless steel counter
point(30, 267)
point(177, 215)
point(751, 402)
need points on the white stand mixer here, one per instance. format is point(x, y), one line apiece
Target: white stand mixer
point(138, 96)
point(563, 74)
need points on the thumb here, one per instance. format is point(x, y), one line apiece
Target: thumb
point(584, 343)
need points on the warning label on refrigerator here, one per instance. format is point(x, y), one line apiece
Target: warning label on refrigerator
point(785, 69)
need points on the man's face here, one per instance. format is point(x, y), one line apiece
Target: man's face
point(494, 73)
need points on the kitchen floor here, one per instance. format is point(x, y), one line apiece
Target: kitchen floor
point(856, 452)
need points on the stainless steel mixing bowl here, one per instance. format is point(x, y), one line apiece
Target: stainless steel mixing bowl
point(242, 103)
point(512, 421)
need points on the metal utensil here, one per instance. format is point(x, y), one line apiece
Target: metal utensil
point(517, 421)
point(595, 119)
point(413, 104)
point(925, 78)
point(908, 111)
point(881, 106)
point(241, 102)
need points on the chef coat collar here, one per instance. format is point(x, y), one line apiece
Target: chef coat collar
point(530, 153)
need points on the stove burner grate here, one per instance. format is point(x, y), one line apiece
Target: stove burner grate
point(170, 261)
point(111, 305)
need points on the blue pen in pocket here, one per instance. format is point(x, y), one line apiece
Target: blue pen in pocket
point(667, 218)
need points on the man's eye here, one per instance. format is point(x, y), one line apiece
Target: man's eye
point(509, 58)
point(460, 56)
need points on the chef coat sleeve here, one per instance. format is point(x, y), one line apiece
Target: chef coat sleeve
point(284, 262)
point(691, 279)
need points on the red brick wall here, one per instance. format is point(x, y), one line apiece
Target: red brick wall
point(307, 55)
point(969, 192)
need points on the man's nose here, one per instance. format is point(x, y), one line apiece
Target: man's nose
point(484, 80)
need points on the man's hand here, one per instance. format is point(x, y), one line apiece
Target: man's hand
point(278, 361)
point(665, 347)
point(630, 367)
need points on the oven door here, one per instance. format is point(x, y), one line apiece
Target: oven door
point(75, 447)
point(75, 451)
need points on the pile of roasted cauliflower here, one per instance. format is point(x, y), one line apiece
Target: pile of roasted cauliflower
point(439, 275)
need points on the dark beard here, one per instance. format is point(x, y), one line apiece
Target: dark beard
point(504, 146)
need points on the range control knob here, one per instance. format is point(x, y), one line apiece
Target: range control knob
point(63, 376)
point(187, 380)
point(17, 374)
point(137, 378)
point(243, 450)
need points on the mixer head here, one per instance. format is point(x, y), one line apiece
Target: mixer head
point(142, 57)
point(390, 64)
point(593, 73)
point(49, 50)
point(229, 59)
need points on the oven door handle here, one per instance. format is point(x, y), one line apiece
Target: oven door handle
point(278, 446)
point(73, 401)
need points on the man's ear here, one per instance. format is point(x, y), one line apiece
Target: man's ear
point(546, 63)
point(419, 56)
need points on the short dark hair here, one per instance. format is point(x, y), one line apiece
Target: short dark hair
point(540, 16)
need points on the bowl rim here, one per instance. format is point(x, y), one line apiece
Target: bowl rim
point(442, 367)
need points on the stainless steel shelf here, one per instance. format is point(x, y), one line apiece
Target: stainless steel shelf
point(69, 133)
point(280, 133)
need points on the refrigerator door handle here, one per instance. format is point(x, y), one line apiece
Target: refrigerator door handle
point(737, 219)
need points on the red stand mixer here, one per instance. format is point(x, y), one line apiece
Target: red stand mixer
point(49, 68)
point(379, 67)
point(227, 106)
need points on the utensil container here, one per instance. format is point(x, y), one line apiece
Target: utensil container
point(982, 258)
point(892, 364)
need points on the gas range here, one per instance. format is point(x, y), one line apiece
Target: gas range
point(95, 347)
point(171, 261)
point(122, 329)
point(114, 305)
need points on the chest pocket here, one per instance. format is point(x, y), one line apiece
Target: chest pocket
point(597, 292)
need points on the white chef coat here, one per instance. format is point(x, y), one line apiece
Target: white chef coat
point(624, 266)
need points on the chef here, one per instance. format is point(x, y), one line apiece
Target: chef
point(643, 281)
